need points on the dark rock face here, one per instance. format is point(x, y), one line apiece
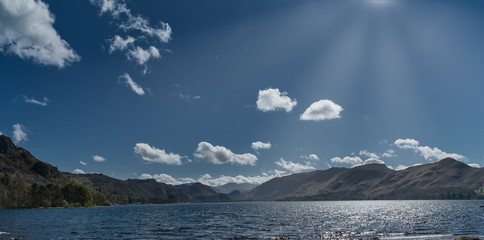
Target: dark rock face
point(14, 159)
point(46, 170)
point(7, 147)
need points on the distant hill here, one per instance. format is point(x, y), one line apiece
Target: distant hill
point(147, 191)
point(26, 182)
point(230, 187)
point(446, 179)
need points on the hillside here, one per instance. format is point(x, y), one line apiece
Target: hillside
point(20, 164)
point(26, 182)
point(230, 187)
point(446, 179)
point(146, 191)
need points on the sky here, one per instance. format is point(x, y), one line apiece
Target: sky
point(223, 91)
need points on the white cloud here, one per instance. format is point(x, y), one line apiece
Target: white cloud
point(347, 160)
point(26, 30)
point(368, 154)
point(207, 179)
point(426, 152)
point(132, 84)
point(128, 21)
point(389, 153)
point(260, 145)
point(37, 102)
point(145, 176)
point(188, 98)
point(271, 100)
point(373, 161)
point(163, 32)
point(294, 167)
point(322, 110)
point(119, 44)
point(474, 165)
point(83, 163)
point(98, 158)
point(19, 133)
point(372, 158)
point(140, 30)
point(220, 155)
point(401, 167)
point(78, 171)
point(142, 56)
point(165, 178)
point(406, 143)
point(310, 157)
point(153, 154)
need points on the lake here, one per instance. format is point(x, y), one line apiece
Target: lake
point(256, 220)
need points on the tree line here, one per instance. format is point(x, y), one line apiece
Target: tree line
point(17, 193)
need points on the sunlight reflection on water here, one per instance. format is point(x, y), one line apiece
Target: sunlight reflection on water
point(257, 220)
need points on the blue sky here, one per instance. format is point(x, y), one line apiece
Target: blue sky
point(241, 91)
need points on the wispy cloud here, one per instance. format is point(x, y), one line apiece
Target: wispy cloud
point(371, 158)
point(390, 153)
point(120, 44)
point(294, 167)
point(98, 158)
point(132, 84)
point(42, 45)
point(220, 155)
point(322, 110)
point(138, 46)
point(182, 94)
point(141, 56)
point(207, 179)
point(272, 99)
point(426, 152)
point(153, 154)
point(187, 98)
point(37, 102)
point(83, 163)
point(310, 157)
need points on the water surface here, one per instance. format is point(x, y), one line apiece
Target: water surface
point(252, 220)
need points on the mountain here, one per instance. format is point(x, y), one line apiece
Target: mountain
point(26, 182)
point(20, 164)
point(446, 179)
point(146, 191)
point(203, 193)
point(230, 187)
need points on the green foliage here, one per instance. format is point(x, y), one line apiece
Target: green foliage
point(479, 192)
point(15, 193)
point(77, 195)
point(6, 179)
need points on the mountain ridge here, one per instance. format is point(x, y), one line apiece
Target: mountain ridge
point(27, 182)
point(444, 179)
